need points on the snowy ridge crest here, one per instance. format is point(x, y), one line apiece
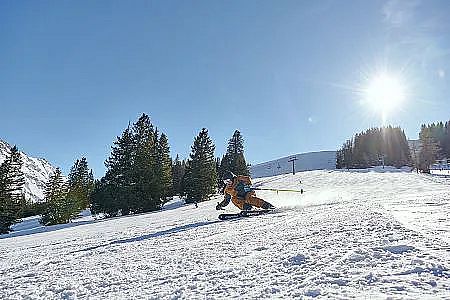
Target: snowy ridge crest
point(320, 160)
point(37, 172)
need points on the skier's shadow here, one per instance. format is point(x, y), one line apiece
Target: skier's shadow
point(151, 235)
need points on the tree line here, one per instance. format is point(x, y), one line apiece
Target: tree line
point(141, 177)
point(63, 199)
point(138, 176)
point(434, 144)
point(373, 147)
point(389, 145)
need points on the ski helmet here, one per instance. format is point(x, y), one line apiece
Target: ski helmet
point(228, 175)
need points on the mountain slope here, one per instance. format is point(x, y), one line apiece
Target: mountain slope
point(37, 171)
point(350, 235)
point(322, 160)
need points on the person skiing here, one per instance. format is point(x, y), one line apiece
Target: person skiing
point(238, 190)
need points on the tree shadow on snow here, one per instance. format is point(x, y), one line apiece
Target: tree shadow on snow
point(38, 228)
point(45, 229)
point(152, 235)
point(164, 232)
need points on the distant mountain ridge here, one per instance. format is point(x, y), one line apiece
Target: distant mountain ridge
point(37, 171)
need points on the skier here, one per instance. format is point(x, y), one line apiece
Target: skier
point(238, 190)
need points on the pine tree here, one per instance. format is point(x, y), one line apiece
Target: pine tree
point(91, 183)
point(164, 164)
point(358, 156)
point(219, 173)
point(178, 170)
point(58, 208)
point(114, 194)
point(15, 179)
point(405, 151)
point(225, 165)
point(344, 157)
point(80, 183)
point(185, 179)
point(339, 158)
point(146, 187)
point(446, 140)
point(234, 159)
point(103, 198)
point(11, 185)
point(430, 149)
point(138, 176)
point(201, 176)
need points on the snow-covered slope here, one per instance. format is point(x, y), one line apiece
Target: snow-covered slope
point(37, 172)
point(322, 160)
point(364, 235)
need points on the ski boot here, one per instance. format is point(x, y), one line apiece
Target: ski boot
point(267, 205)
point(219, 206)
point(247, 207)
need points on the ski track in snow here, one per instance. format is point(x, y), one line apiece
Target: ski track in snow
point(364, 235)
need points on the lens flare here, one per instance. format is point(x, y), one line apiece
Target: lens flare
point(385, 94)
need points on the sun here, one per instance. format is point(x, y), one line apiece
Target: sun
point(385, 93)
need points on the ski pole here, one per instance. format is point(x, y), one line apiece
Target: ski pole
point(277, 190)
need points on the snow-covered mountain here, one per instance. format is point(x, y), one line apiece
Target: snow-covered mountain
point(37, 171)
point(321, 160)
point(367, 234)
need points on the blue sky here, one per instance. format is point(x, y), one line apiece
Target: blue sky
point(288, 74)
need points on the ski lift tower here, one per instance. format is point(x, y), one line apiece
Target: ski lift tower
point(293, 159)
point(381, 159)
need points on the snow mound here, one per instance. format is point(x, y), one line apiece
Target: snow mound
point(312, 293)
point(297, 260)
point(399, 249)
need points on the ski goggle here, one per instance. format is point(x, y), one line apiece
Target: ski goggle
point(227, 181)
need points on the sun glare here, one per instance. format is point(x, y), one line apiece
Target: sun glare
point(385, 94)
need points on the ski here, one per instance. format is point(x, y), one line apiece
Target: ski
point(244, 213)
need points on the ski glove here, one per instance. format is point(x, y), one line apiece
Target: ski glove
point(225, 201)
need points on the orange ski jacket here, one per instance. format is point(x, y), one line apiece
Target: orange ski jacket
point(239, 188)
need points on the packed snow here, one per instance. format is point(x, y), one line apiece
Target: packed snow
point(367, 234)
